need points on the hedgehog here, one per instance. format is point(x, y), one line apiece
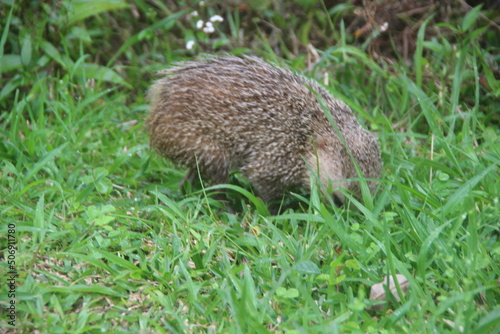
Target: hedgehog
point(219, 114)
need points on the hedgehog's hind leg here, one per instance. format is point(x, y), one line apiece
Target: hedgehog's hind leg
point(217, 174)
point(189, 177)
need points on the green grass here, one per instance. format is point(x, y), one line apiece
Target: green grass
point(106, 242)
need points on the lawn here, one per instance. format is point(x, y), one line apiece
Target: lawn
point(96, 236)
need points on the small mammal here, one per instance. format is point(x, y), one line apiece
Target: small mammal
point(223, 113)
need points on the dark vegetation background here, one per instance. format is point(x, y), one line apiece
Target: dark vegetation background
point(147, 35)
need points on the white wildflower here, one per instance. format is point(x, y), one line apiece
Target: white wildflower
point(384, 26)
point(216, 18)
point(209, 28)
point(189, 45)
point(194, 14)
point(199, 24)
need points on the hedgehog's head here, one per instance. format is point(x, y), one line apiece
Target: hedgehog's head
point(331, 163)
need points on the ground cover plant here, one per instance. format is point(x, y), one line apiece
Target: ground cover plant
point(102, 240)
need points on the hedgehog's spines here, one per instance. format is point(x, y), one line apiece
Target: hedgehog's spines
point(242, 113)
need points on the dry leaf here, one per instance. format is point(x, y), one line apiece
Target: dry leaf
point(377, 291)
